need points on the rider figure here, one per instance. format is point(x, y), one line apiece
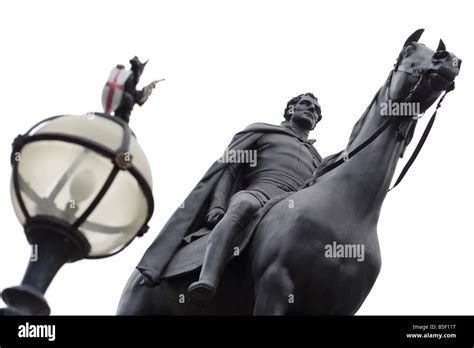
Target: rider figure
point(284, 163)
point(120, 93)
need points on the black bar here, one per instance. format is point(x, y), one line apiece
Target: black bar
point(257, 330)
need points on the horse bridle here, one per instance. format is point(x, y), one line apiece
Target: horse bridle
point(418, 71)
point(421, 73)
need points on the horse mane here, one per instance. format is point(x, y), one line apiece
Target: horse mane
point(358, 126)
point(355, 130)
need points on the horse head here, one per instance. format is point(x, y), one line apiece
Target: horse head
point(422, 74)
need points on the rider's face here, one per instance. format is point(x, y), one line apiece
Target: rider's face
point(305, 113)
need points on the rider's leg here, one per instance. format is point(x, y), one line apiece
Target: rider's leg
point(221, 244)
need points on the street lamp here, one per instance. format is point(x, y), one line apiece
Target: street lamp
point(81, 187)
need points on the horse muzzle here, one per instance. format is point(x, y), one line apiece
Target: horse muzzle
point(441, 79)
point(442, 75)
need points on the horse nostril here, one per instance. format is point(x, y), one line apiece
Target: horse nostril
point(441, 55)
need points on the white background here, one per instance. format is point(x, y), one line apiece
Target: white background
point(229, 64)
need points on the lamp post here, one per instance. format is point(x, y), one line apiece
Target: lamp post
point(81, 188)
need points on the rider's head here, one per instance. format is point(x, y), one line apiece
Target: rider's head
point(137, 66)
point(304, 110)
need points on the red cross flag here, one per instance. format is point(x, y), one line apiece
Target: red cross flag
point(113, 89)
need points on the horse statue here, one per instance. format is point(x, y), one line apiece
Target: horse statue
point(301, 256)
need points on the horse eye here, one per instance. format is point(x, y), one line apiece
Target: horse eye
point(441, 55)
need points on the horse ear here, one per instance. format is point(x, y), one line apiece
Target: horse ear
point(441, 46)
point(414, 37)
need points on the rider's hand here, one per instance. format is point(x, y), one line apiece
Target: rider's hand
point(308, 183)
point(214, 216)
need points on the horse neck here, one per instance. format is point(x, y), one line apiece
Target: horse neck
point(370, 172)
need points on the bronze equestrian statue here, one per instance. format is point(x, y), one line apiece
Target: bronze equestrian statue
point(286, 268)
